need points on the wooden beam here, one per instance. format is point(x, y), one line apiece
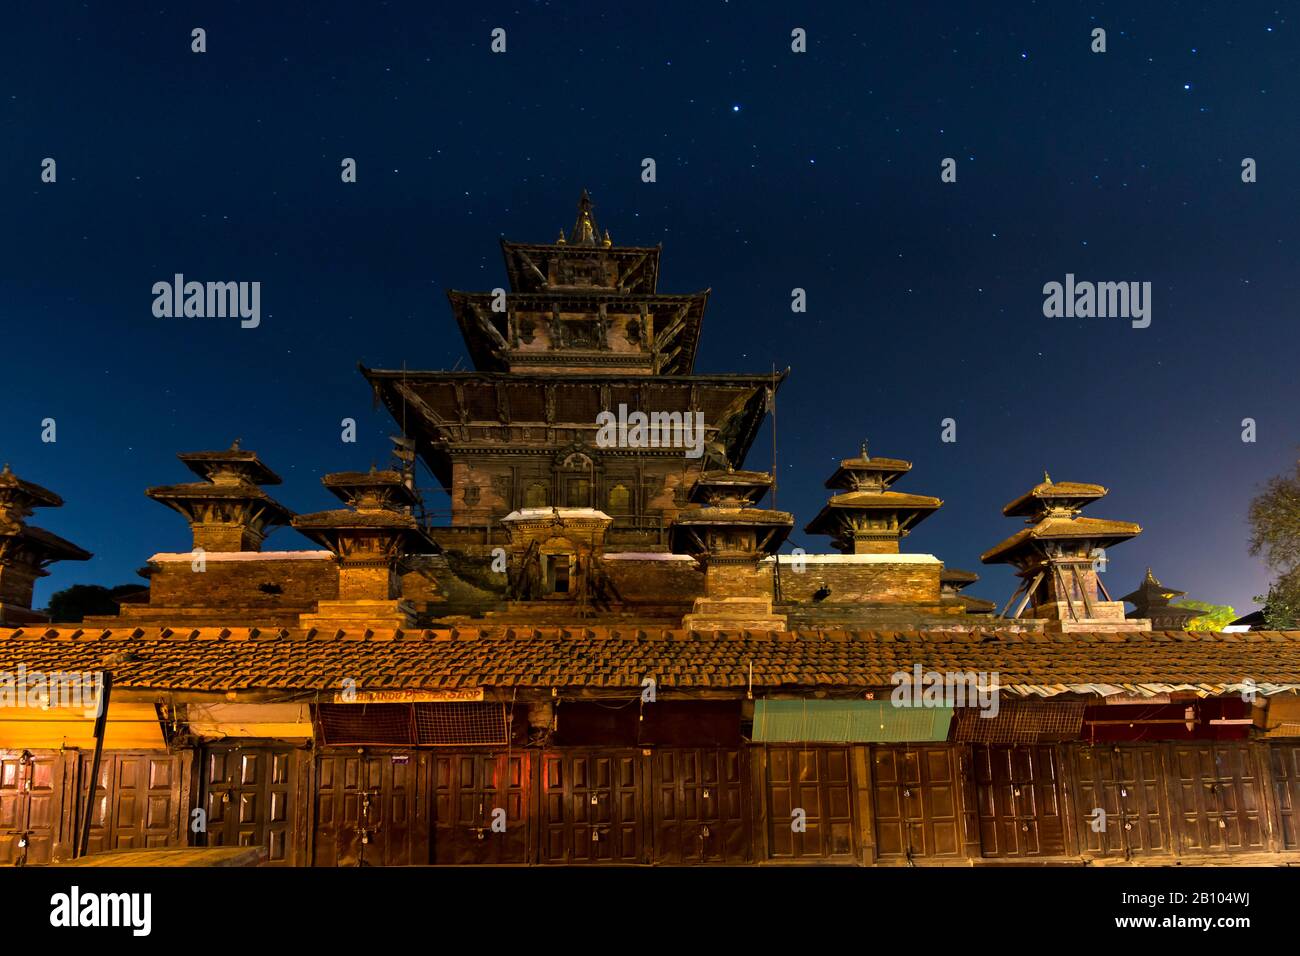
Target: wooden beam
point(1029, 592)
point(1088, 609)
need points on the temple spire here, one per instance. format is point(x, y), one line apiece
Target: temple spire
point(585, 231)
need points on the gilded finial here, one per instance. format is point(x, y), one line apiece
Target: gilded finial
point(608, 241)
point(5, 470)
point(234, 445)
point(1047, 479)
point(560, 241)
point(865, 456)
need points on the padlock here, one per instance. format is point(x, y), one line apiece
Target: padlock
point(906, 792)
point(1223, 825)
point(225, 797)
point(706, 793)
point(1128, 826)
point(1123, 792)
point(1015, 791)
point(594, 799)
point(595, 835)
point(704, 831)
point(1024, 827)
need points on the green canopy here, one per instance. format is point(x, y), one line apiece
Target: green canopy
point(847, 721)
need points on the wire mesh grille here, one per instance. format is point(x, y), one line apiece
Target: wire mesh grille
point(366, 724)
point(1020, 722)
point(439, 724)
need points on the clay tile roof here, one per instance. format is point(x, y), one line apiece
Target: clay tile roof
point(1045, 491)
point(1102, 530)
point(226, 659)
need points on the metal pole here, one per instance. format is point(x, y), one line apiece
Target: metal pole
point(101, 720)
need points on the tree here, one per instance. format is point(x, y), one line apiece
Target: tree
point(1213, 617)
point(1275, 533)
point(72, 605)
point(1282, 603)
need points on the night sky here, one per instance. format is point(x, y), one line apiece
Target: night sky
point(775, 170)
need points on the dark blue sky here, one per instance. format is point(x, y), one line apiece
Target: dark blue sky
point(775, 170)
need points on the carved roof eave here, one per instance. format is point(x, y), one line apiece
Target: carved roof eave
point(1025, 543)
point(511, 252)
point(1075, 493)
point(173, 495)
point(255, 469)
point(736, 428)
point(37, 497)
point(489, 349)
point(343, 483)
point(48, 545)
point(889, 470)
point(327, 528)
point(911, 511)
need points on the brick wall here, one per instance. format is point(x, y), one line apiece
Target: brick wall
point(292, 583)
point(656, 582)
point(877, 582)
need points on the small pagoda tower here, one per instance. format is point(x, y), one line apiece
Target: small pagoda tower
point(866, 517)
point(227, 511)
point(729, 536)
point(1056, 559)
point(952, 581)
point(1151, 601)
point(368, 538)
point(25, 550)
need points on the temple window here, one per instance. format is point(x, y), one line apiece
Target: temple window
point(535, 496)
point(577, 493)
point(620, 499)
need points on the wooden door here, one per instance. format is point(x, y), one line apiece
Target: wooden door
point(917, 802)
point(248, 796)
point(592, 807)
point(372, 808)
point(700, 806)
point(1127, 783)
point(481, 807)
point(138, 801)
point(31, 784)
point(809, 804)
point(1217, 792)
point(1018, 798)
point(1284, 760)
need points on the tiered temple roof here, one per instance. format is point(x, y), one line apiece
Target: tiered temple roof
point(227, 511)
point(26, 550)
point(1151, 601)
point(867, 517)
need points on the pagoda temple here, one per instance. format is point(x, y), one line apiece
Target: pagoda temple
point(725, 531)
point(227, 511)
point(582, 329)
point(867, 517)
point(1057, 557)
point(369, 539)
point(1151, 602)
point(25, 550)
